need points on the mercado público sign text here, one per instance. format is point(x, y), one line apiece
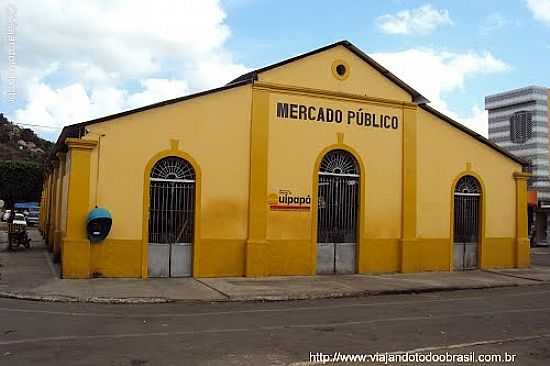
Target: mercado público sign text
point(356, 117)
point(286, 201)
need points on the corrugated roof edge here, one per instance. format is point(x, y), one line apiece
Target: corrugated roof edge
point(473, 134)
point(74, 130)
point(417, 97)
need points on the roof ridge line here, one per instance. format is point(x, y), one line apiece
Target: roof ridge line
point(416, 96)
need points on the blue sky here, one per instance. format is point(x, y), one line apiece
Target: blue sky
point(505, 28)
point(69, 69)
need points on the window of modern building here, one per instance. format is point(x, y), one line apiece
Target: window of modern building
point(521, 127)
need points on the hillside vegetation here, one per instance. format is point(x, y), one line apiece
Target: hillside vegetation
point(22, 158)
point(21, 144)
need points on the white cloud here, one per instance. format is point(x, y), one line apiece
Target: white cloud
point(477, 121)
point(156, 90)
point(422, 20)
point(540, 10)
point(90, 73)
point(74, 103)
point(76, 61)
point(52, 106)
point(435, 73)
point(88, 57)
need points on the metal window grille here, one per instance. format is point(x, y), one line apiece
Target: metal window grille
point(172, 202)
point(468, 184)
point(173, 168)
point(339, 162)
point(466, 211)
point(521, 127)
point(337, 198)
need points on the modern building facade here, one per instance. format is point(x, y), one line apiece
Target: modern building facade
point(518, 122)
point(320, 164)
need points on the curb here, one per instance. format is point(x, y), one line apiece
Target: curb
point(258, 298)
point(93, 299)
point(365, 293)
point(513, 275)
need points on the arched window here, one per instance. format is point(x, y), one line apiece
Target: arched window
point(171, 218)
point(337, 213)
point(467, 224)
point(173, 168)
point(339, 162)
point(468, 184)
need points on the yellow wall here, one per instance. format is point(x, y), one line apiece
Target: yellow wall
point(75, 246)
point(65, 189)
point(315, 72)
point(445, 153)
point(244, 155)
point(295, 149)
point(60, 203)
point(214, 131)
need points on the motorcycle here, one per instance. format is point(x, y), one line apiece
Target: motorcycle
point(17, 233)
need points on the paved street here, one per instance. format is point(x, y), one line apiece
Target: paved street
point(513, 320)
point(498, 320)
point(30, 274)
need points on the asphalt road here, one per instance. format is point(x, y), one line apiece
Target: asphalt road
point(496, 321)
point(513, 320)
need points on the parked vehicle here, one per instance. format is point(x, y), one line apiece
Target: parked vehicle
point(19, 219)
point(32, 218)
point(6, 215)
point(17, 232)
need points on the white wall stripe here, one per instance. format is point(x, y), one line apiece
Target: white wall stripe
point(535, 140)
point(527, 152)
point(517, 92)
point(531, 97)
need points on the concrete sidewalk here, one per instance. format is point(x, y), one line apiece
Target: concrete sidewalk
point(30, 274)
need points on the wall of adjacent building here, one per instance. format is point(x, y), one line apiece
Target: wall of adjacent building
point(501, 108)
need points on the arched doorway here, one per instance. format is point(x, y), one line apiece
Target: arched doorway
point(171, 218)
point(467, 212)
point(338, 197)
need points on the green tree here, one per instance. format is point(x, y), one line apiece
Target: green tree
point(20, 181)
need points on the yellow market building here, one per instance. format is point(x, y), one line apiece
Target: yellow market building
point(322, 163)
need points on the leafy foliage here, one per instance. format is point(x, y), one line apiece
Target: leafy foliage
point(22, 157)
point(20, 181)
